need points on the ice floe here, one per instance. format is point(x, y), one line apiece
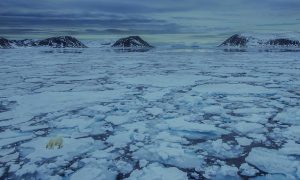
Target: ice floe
point(274, 162)
point(160, 114)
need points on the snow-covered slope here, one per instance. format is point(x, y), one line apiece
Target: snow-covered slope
point(23, 43)
point(61, 42)
point(4, 43)
point(55, 42)
point(261, 41)
point(131, 42)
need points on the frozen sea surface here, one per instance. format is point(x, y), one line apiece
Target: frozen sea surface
point(163, 114)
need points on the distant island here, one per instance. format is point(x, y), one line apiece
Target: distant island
point(136, 43)
point(55, 42)
point(239, 40)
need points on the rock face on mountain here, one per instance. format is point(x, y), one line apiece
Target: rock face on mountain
point(283, 42)
point(4, 43)
point(236, 40)
point(55, 42)
point(23, 43)
point(249, 41)
point(61, 42)
point(131, 42)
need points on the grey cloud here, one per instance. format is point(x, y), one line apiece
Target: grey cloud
point(119, 16)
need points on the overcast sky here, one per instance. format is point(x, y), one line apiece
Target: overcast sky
point(78, 17)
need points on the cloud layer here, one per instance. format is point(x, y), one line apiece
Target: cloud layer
point(144, 16)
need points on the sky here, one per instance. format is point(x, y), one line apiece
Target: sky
point(99, 17)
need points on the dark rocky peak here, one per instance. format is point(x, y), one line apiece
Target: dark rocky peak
point(4, 43)
point(283, 42)
point(250, 41)
point(236, 40)
point(56, 42)
point(61, 42)
point(132, 42)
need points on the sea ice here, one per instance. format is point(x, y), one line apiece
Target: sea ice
point(243, 141)
point(156, 171)
point(169, 113)
point(245, 127)
point(289, 116)
point(247, 170)
point(273, 162)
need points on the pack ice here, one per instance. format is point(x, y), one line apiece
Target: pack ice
point(160, 114)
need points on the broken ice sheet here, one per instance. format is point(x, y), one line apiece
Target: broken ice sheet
point(167, 114)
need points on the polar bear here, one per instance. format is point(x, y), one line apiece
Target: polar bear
point(53, 142)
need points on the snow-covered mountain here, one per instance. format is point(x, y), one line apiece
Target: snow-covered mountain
point(4, 43)
point(55, 42)
point(246, 40)
point(23, 43)
point(61, 42)
point(132, 42)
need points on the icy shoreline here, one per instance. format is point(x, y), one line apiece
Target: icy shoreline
point(169, 114)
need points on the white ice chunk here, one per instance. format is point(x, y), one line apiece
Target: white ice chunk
point(121, 119)
point(291, 148)
point(180, 124)
point(155, 111)
point(124, 167)
point(272, 161)
point(257, 137)
point(121, 139)
point(100, 108)
point(166, 136)
point(4, 142)
point(227, 88)
point(9, 134)
point(80, 123)
point(213, 109)
point(290, 116)
point(95, 170)
point(165, 80)
point(32, 128)
point(4, 152)
point(221, 149)
point(2, 171)
point(143, 163)
point(117, 120)
point(226, 170)
point(273, 177)
point(243, 141)
point(247, 170)
point(292, 133)
point(156, 171)
point(155, 94)
point(14, 167)
point(170, 153)
point(29, 168)
point(220, 172)
point(245, 127)
point(10, 157)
